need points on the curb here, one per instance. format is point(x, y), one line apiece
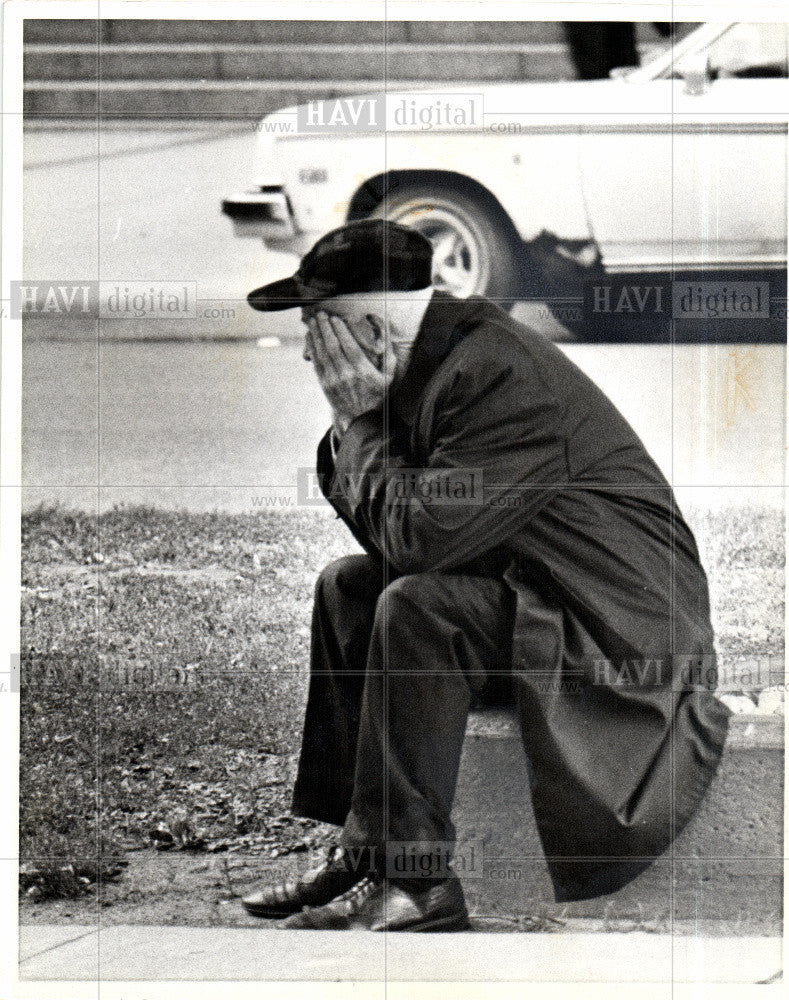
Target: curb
point(746, 731)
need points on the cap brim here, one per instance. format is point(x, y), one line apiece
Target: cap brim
point(283, 294)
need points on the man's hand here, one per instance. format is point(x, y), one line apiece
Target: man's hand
point(350, 381)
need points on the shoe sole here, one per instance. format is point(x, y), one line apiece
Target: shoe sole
point(450, 923)
point(271, 914)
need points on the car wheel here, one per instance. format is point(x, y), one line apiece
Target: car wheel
point(473, 253)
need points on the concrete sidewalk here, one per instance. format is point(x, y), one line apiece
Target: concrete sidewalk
point(215, 954)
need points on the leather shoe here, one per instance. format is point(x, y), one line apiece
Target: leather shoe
point(338, 873)
point(380, 905)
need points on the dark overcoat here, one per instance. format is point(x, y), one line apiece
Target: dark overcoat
point(612, 649)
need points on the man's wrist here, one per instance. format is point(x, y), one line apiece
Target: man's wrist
point(334, 441)
point(341, 422)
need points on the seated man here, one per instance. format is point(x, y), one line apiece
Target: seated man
point(515, 529)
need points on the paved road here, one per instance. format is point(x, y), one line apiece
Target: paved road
point(143, 204)
point(204, 425)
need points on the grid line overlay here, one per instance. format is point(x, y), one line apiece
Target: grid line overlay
point(101, 569)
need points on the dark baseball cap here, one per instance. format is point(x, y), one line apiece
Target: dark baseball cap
point(373, 255)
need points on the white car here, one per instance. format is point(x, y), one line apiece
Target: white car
point(677, 167)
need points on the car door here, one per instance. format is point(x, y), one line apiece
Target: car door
point(691, 172)
point(729, 152)
point(626, 169)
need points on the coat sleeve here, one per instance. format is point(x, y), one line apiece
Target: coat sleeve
point(325, 470)
point(495, 456)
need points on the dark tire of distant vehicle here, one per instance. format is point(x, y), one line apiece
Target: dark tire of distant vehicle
point(475, 252)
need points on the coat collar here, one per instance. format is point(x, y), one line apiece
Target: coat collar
point(446, 321)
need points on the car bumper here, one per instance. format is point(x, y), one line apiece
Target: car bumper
point(266, 213)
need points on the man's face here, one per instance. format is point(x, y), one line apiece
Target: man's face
point(361, 313)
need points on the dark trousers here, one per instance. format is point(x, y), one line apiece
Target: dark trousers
point(395, 664)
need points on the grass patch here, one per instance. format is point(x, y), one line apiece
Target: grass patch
point(743, 551)
point(164, 673)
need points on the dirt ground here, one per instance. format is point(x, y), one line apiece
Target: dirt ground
point(196, 889)
point(205, 890)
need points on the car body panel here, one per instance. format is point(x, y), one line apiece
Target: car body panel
point(657, 175)
point(539, 191)
point(703, 186)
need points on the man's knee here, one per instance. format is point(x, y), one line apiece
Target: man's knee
point(346, 576)
point(438, 611)
point(409, 598)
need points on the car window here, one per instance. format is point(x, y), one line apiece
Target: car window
point(750, 49)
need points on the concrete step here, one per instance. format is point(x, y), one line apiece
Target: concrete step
point(116, 30)
point(727, 865)
point(482, 62)
point(64, 59)
point(235, 83)
point(189, 98)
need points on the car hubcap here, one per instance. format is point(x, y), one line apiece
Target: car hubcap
point(458, 266)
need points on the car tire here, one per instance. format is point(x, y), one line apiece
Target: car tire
point(474, 253)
